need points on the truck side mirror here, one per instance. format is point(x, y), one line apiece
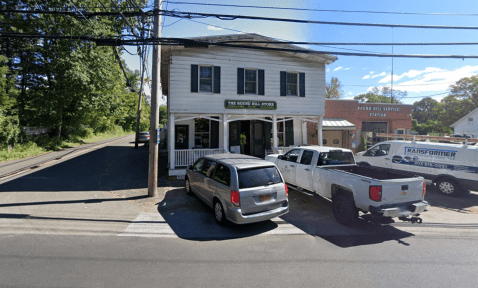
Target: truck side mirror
point(280, 157)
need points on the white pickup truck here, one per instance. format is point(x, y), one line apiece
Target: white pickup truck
point(332, 173)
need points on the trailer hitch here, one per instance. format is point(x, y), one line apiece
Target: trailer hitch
point(412, 219)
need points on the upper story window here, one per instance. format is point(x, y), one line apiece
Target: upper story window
point(292, 83)
point(470, 119)
point(205, 78)
point(250, 84)
point(250, 81)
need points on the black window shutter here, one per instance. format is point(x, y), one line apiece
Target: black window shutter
point(217, 80)
point(214, 134)
point(302, 84)
point(261, 82)
point(283, 83)
point(240, 80)
point(194, 78)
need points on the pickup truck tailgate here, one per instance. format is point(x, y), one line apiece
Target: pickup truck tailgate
point(401, 190)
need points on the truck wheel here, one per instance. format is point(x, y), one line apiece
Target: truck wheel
point(448, 187)
point(344, 210)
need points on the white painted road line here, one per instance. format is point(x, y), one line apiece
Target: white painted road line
point(149, 225)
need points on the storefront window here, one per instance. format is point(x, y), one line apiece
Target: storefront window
point(251, 81)
point(201, 135)
point(205, 79)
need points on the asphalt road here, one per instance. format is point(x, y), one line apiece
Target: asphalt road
point(86, 222)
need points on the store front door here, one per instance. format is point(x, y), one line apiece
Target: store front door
point(250, 137)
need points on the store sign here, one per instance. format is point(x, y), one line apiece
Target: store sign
point(378, 114)
point(379, 108)
point(250, 104)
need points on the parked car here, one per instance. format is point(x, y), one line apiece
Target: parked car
point(332, 173)
point(143, 138)
point(453, 168)
point(240, 188)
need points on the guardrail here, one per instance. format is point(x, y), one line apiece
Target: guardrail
point(189, 156)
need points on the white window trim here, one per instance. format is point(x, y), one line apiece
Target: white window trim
point(257, 81)
point(287, 83)
point(212, 79)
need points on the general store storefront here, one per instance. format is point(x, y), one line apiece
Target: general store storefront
point(365, 121)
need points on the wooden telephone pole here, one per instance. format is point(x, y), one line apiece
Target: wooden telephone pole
point(154, 120)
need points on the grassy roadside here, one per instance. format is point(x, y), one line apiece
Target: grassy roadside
point(46, 144)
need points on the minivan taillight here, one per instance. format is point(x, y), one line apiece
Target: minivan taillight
point(235, 200)
point(375, 193)
point(424, 189)
point(286, 190)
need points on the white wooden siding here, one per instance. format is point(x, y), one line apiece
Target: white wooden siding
point(183, 101)
point(469, 127)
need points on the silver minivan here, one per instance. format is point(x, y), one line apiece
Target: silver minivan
point(240, 188)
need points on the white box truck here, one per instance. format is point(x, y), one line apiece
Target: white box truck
point(453, 168)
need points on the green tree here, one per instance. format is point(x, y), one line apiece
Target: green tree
point(333, 89)
point(383, 95)
point(425, 109)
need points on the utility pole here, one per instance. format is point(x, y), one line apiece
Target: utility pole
point(154, 120)
point(138, 114)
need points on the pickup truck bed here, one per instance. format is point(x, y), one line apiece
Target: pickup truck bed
point(371, 172)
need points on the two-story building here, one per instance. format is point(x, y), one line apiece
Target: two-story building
point(228, 99)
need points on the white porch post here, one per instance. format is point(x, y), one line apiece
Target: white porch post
point(274, 132)
point(319, 131)
point(304, 133)
point(225, 132)
point(171, 140)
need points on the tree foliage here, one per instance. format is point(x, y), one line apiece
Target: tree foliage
point(383, 95)
point(333, 89)
point(67, 85)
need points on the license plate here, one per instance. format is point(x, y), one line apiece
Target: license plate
point(264, 198)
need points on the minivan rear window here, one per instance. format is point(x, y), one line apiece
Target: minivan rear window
point(257, 177)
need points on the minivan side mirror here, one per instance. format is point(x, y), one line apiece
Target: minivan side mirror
point(190, 167)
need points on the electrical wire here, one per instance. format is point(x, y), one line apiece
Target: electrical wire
point(320, 10)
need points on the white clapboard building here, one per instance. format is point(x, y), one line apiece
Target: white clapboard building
point(228, 99)
point(467, 125)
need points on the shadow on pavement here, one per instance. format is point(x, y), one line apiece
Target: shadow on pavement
point(84, 201)
point(313, 215)
point(465, 203)
point(105, 169)
point(191, 219)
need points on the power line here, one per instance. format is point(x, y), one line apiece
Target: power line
point(189, 15)
point(321, 10)
point(355, 43)
point(404, 85)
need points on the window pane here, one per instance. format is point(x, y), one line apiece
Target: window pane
point(251, 75)
point(258, 177)
point(250, 87)
point(222, 175)
point(208, 167)
point(292, 155)
point(206, 72)
point(335, 158)
point(306, 158)
point(205, 85)
point(292, 78)
point(291, 89)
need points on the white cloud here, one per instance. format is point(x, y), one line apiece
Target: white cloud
point(328, 70)
point(214, 28)
point(371, 72)
point(366, 77)
point(350, 93)
point(379, 75)
point(430, 79)
point(347, 69)
point(370, 75)
point(338, 68)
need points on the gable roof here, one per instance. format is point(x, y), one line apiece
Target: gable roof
point(464, 117)
point(309, 54)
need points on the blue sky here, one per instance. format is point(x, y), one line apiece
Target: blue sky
point(419, 77)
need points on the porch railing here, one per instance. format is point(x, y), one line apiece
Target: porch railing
point(187, 157)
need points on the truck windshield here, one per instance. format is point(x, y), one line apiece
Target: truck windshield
point(256, 177)
point(335, 158)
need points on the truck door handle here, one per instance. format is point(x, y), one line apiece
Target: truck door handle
point(307, 169)
point(387, 158)
point(292, 165)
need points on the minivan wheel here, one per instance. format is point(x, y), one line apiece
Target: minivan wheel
point(344, 210)
point(187, 186)
point(219, 213)
point(448, 187)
